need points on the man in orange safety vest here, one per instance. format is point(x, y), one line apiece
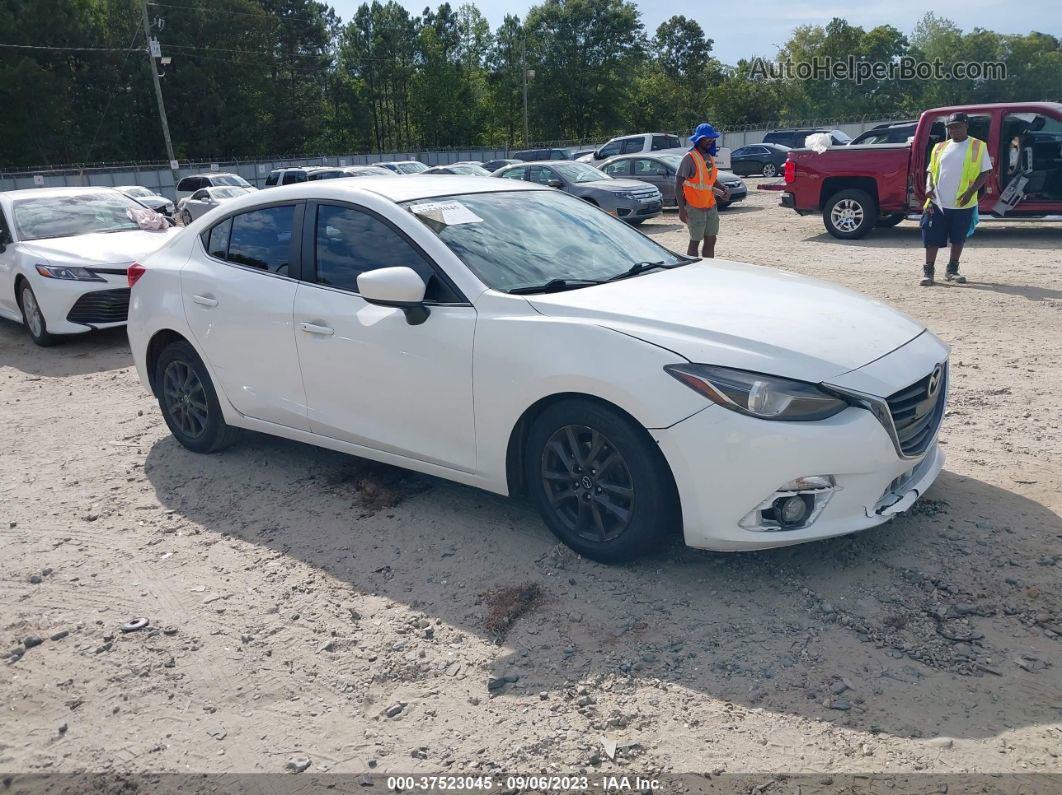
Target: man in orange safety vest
point(696, 191)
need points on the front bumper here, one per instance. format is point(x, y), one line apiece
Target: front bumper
point(726, 464)
point(74, 307)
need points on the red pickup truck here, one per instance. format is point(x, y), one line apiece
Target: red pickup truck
point(859, 187)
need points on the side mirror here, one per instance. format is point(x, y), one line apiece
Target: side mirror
point(399, 287)
point(555, 183)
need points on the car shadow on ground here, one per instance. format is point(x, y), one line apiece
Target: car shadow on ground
point(990, 234)
point(81, 354)
point(922, 616)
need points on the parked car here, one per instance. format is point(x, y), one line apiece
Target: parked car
point(287, 176)
point(404, 166)
point(628, 389)
point(494, 165)
point(149, 198)
point(632, 200)
point(465, 169)
point(527, 155)
point(349, 171)
point(660, 169)
point(858, 188)
point(634, 144)
point(897, 133)
point(579, 154)
point(794, 137)
point(189, 185)
point(205, 200)
point(63, 258)
point(765, 159)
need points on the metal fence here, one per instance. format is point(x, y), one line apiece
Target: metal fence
point(158, 177)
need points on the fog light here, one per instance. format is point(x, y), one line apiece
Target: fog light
point(792, 511)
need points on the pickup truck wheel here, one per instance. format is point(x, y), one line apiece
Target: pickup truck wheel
point(850, 214)
point(890, 220)
point(770, 170)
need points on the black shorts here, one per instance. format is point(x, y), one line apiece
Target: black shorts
point(943, 226)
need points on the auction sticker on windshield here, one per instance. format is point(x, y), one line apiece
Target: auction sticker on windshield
point(446, 213)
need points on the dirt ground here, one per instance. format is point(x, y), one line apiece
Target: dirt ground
point(305, 603)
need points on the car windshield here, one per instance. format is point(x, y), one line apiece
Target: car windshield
point(579, 172)
point(227, 193)
point(80, 214)
point(369, 171)
point(412, 168)
point(139, 193)
point(231, 179)
point(522, 239)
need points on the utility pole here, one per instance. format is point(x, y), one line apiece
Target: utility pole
point(158, 93)
point(524, 69)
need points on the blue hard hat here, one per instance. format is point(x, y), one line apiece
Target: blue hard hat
point(704, 130)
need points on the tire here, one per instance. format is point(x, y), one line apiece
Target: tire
point(890, 220)
point(722, 205)
point(770, 170)
point(186, 217)
point(33, 318)
point(850, 214)
point(188, 401)
point(598, 480)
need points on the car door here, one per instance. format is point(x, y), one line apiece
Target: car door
point(655, 173)
point(198, 203)
point(239, 292)
point(542, 175)
point(371, 377)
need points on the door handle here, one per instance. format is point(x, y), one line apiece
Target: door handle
point(204, 300)
point(311, 328)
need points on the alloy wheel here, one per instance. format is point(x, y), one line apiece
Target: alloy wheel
point(769, 169)
point(847, 215)
point(187, 218)
point(34, 318)
point(588, 483)
point(185, 398)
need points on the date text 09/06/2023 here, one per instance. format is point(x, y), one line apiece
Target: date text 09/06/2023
point(520, 783)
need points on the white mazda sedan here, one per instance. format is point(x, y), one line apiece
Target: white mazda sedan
point(514, 338)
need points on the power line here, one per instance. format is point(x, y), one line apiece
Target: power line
point(110, 99)
point(247, 52)
point(67, 49)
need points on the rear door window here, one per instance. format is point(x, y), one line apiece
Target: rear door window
point(631, 145)
point(618, 168)
point(648, 168)
point(665, 142)
point(515, 173)
point(272, 178)
point(294, 176)
point(262, 239)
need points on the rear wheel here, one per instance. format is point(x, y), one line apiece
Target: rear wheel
point(850, 214)
point(770, 170)
point(34, 318)
point(188, 401)
point(599, 482)
point(186, 217)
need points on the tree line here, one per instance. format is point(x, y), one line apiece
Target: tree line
point(251, 78)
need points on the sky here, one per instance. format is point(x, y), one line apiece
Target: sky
point(759, 27)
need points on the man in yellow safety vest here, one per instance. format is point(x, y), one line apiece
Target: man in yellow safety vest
point(696, 191)
point(958, 168)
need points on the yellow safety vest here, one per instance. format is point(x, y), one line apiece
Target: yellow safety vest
point(698, 192)
point(971, 170)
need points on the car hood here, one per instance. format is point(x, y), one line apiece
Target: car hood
point(616, 185)
point(745, 316)
point(111, 248)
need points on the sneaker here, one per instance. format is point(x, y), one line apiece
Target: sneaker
point(952, 274)
point(927, 276)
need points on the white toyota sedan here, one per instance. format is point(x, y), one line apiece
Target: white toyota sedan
point(511, 337)
point(64, 253)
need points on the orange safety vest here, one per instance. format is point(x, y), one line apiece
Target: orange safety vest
point(698, 191)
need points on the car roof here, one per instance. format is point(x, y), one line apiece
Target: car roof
point(213, 174)
point(36, 193)
point(409, 188)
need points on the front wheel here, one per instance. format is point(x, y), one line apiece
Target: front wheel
point(850, 214)
point(599, 482)
point(188, 401)
point(770, 170)
point(34, 318)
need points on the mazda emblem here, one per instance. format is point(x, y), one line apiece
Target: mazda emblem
point(934, 380)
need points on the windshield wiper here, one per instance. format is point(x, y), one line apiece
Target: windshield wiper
point(555, 286)
point(640, 267)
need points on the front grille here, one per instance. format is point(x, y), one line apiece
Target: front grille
point(640, 195)
point(101, 306)
point(917, 412)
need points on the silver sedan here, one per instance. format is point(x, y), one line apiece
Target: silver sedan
point(206, 199)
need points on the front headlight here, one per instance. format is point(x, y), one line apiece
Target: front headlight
point(68, 274)
point(767, 397)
